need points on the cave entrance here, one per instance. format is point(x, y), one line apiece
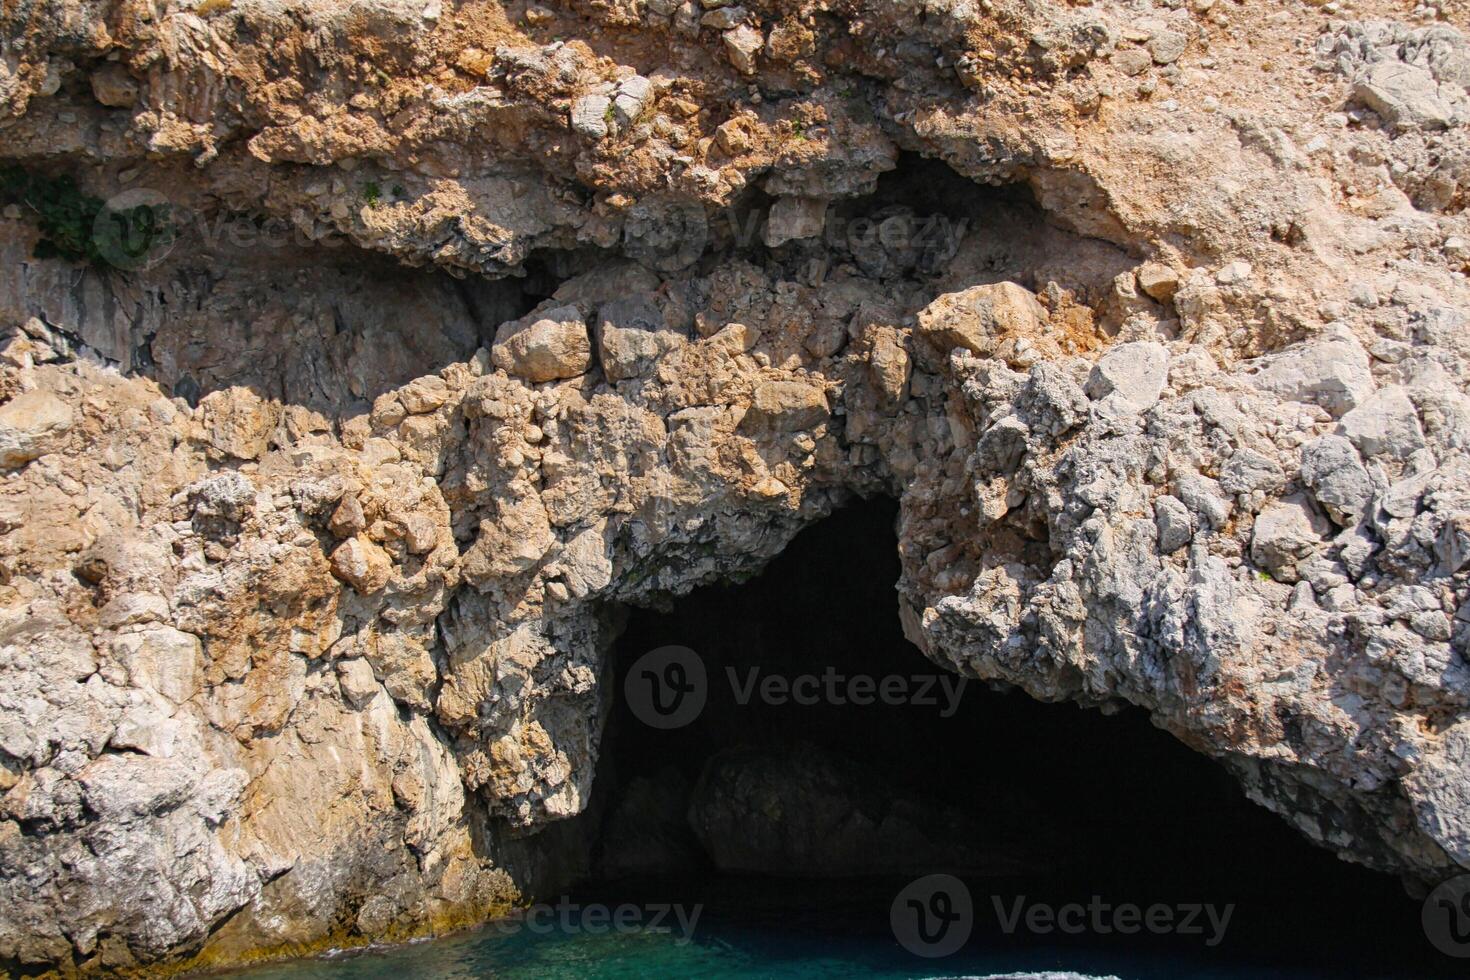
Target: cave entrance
point(795, 821)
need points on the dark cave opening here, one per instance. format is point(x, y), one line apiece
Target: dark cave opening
point(810, 818)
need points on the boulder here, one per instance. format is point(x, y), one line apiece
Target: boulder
point(1406, 96)
point(545, 346)
point(742, 44)
point(1286, 533)
point(162, 660)
point(978, 318)
point(113, 86)
point(237, 422)
point(590, 115)
point(786, 406)
point(32, 424)
point(1387, 424)
point(631, 336)
point(1333, 471)
point(1175, 526)
point(1331, 372)
point(362, 564)
point(1130, 377)
point(1158, 281)
point(794, 217)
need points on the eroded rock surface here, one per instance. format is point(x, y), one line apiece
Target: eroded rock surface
point(474, 323)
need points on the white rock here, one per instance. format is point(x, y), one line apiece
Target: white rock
point(631, 337)
point(632, 96)
point(32, 424)
point(1405, 95)
point(358, 683)
point(1130, 377)
point(1286, 532)
point(1386, 424)
point(1336, 476)
point(163, 660)
point(1175, 526)
point(589, 115)
point(1332, 372)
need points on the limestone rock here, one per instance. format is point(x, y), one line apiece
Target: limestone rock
point(786, 406)
point(544, 346)
point(1404, 95)
point(1285, 534)
point(1333, 471)
point(742, 44)
point(316, 447)
point(164, 660)
point(794, 218)
point(362, 564)
point(1331, 372)
point(1130, 377)
point(237, 422)
point(978, 318)
point(32, 424)
point(113, 86)
point(590, 115)
point(1174, 524)
point(632, 336)
point(1385, 424)
point(1158, 281)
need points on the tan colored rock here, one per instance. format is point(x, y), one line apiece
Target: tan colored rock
point(545, 346)
point(889, 364)
point(162, 659)
point(786, 406)
point(172, 602)
point(348, 519)
point(113, 86)
point(362, 564)
point(237, 422)
point(1158, 281)
point(980, 317)
point(32, 424)
point(423, 394)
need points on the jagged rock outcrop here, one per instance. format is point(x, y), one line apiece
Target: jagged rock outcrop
point(382, 351)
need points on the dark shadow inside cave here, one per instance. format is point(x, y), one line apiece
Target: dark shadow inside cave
point(808, 819)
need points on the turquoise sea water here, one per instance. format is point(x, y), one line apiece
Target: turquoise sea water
point(843, 932)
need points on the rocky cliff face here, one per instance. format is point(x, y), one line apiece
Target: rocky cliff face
point(381, 351)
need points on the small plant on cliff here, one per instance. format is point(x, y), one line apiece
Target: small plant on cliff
point(69, 220)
